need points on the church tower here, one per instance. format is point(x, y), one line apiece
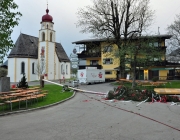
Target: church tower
point(46, 47)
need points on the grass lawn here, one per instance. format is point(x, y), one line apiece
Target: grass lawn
point(54, 95)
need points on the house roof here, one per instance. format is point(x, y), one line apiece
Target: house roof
point(26, 46)
point(112, 39)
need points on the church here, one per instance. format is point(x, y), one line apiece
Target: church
point(35, 56)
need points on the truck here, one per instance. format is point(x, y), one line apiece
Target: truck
point(91, 76)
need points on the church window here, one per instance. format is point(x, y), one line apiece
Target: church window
point(43, 36)
point(62, 71)
point(33, 68)
point(66, 69)
point(51, 37)
point(22, 67)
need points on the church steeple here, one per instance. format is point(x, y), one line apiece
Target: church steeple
point(47, 44)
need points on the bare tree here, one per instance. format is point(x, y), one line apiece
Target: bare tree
point(117, 19)
point(174, 43)
point(40, 67)
point(174, 30)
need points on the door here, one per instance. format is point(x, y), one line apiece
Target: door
point(141, 75)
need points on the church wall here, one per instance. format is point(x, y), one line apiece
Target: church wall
point(68, 70)
point(56, 75)
point(51, 58)
point(18, 73)
point(33, 76)
point(11, 69)
point(64, 70)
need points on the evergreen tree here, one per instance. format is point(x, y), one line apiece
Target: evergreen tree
point(23, 83)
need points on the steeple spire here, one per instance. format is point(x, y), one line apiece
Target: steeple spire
point(47, 4)
point(47, 10)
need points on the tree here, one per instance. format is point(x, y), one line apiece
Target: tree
point(142, 53)
point(74, 71)
point(23, 83)
point(8, 19)
point(40, 67)
point(174, 30)
point(117, 19)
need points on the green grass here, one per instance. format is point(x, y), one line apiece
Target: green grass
point(54, 95)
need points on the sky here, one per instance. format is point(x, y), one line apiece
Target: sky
point(64, 18)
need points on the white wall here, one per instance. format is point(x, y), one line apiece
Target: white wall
point(18, 73)
point(66, 75)
point(57, 76)
point(14, 69)
point(51, 60)
point(11, 69)
point(34, 76)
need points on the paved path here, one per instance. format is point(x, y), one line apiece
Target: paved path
point(88, 117)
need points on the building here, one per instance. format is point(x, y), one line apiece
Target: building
point(37, 56)
point(93, 55)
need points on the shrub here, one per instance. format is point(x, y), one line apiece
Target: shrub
point(3, 72)
point(23, 83)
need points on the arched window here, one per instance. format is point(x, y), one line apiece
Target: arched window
point(43, 36)
point(66, 69)
point(62, 71)
point(22, 67)
point(33, 68)
point(51, 36)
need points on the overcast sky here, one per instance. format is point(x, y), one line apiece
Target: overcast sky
point(64, 18)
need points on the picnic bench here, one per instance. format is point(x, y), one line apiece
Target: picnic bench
point(22, 95)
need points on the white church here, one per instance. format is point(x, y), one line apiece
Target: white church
point(39, 56)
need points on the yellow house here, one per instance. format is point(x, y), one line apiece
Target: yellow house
point(99, 53)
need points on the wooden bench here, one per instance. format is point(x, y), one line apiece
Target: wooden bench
point(167, 91)
point(13, 101)
point(41, 94)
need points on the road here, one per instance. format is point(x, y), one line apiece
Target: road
point(88, 117)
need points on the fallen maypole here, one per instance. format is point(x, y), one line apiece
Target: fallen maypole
point(142, 102)
point(76, 89)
